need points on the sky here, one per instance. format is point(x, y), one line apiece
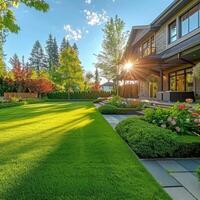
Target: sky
point(80, 21)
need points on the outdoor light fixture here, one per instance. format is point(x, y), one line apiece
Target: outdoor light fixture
point(128, 66)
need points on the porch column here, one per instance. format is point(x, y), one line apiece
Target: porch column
point(161, 83)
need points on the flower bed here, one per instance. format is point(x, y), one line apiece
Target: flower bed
point(181, 118)
point(150, 141)
point(118, 105)
point(110, 109)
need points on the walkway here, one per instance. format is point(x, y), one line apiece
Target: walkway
point(177, 176)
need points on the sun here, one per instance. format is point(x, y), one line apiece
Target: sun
point(128, 66)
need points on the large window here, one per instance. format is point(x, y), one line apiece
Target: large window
point(190, 20)
point(172, 32)
point(181, 80)
point(148, 47)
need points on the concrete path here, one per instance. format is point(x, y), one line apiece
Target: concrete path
point(113, 120)
point(177, 176)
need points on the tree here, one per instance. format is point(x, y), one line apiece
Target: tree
point(21, 73)
point(2, 64)
point(88, 77)
point(96, 75)
point(7, 18)
point(112, 50)
point(38, 58)
point(70, 71)
point(40, 85)
point(75, 47)
point(64, 44)
point(14, 61)
point(52, 53)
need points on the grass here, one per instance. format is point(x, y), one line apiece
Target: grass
point(68, 151)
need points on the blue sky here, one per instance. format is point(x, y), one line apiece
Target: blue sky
point(79, 20)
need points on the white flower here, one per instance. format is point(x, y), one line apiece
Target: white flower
point(163, 126)
point(173, 122)
point(178, 129)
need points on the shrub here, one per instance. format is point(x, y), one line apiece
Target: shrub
point(147, 140)
point(79, 95)
point(110, 109)
point(150, 141)
point(124, 103)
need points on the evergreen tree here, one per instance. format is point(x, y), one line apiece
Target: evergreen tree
point(65, 44)
point(75, 47)
point(55, 53)
point(37, 59)
point(70, 70)
point(52, 53)
point(14, 61)
point(96, 75)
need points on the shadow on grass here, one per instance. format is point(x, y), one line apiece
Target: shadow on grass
point(81, 159)
point(34, 110)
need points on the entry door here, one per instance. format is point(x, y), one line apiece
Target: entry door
point(153, 89)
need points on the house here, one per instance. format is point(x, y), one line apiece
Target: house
point(166, 52)
point(107, 87)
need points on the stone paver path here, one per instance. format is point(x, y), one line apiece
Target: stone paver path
point(177, 176)
point(113, 120)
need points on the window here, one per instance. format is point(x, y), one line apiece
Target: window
point(172, 32)
point(148, 47)
point(191, 20)
point(181, 80)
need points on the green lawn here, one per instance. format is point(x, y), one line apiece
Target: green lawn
point(68, 151)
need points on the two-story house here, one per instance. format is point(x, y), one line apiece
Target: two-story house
point(166, 52)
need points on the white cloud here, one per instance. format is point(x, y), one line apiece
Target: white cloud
point(96, 18)
point(72, 34)
point(88, 1)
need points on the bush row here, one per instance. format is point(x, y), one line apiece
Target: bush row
point(13, 104)
point(150, 141)
point(79, 95)
point(110, 109)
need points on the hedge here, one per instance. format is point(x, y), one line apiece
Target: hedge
point(79, 95)
point(150, 141)
point(110, 109)
point(13, 104)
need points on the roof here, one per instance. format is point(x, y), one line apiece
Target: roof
point(110, 84)
point(182, 46)
point(144, 30)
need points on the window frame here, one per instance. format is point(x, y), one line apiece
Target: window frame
point(187, 13)
point(170, 37)
point(175, 74)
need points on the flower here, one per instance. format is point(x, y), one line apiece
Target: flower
point(163, 126)
point(195, 114)
point(178, 129)
point(169, 119)
point(181, 107)
point(197, 121)
point(189, 100)
point(173, 122)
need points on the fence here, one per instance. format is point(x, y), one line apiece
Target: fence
point(10, 95)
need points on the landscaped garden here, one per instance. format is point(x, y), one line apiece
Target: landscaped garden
point(67, 151)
